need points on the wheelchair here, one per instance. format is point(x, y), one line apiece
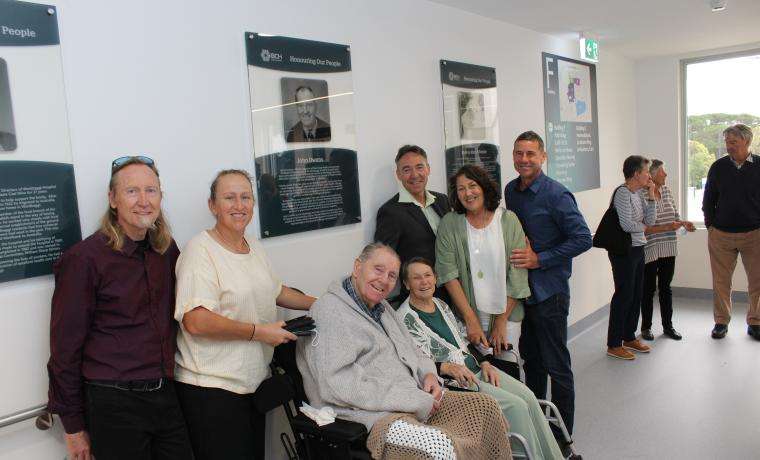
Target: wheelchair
point(346, 440)
point(513, 368)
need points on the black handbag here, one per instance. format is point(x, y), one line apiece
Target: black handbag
point(610, 235)
point(272, 392)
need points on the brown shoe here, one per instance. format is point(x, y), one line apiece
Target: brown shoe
point(620, 353)
point(637, 346)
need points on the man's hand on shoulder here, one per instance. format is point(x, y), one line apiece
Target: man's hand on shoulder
point(524, 258)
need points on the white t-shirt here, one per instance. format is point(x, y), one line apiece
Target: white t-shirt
point(241, 287)
point(488, 269)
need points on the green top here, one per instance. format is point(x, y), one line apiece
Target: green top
point(438, 325)
point(452, 257)
point(428, 210)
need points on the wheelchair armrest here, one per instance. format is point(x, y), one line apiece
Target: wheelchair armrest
point(479, 357)
point(451, 387)
point(508, 367)
point(338, 431)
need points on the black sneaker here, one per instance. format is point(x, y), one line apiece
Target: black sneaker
point(568, 452)
point(672, 333)
point(646, 334)
point(754, 331)
point(719, 331)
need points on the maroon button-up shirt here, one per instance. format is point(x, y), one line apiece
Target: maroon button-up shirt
point(112, 319)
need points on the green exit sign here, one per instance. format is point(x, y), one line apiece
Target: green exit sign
point(590, 49)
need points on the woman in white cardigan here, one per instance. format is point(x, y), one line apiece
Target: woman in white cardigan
point(440, 336)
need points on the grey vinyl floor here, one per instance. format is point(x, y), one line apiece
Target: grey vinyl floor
point(694, 399)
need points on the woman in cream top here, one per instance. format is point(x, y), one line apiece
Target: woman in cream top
point(226, 307)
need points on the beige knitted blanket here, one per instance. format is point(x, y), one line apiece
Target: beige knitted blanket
point(473, 421)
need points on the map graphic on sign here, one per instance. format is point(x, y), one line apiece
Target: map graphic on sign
point(575, 92)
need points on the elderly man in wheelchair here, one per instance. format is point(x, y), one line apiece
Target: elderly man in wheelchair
point(362, 362)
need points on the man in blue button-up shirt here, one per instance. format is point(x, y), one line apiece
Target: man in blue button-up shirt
point(556, 232)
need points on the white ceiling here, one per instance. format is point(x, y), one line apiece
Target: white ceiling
point(634, 28)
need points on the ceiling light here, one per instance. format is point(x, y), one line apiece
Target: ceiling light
point(718, 5)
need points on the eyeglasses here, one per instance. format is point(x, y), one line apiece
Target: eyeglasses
point(121, 161)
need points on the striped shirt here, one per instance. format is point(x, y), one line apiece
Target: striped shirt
point(662, 244)
point(635, 213)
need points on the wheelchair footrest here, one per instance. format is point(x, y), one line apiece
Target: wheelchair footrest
point(339, 431)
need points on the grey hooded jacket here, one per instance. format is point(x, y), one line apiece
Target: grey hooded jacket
point(352, 365)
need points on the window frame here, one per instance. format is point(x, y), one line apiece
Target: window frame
point(684, 119)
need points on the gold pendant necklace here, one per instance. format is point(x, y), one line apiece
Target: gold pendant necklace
point(478, 237)
point(246, 248)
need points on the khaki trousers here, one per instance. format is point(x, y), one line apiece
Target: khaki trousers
point(723, 248)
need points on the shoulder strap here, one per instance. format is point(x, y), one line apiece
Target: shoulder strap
point(612, 200)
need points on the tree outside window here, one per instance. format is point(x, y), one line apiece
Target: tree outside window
point(720, 92)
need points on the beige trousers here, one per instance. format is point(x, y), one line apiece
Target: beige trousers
point(724, 248)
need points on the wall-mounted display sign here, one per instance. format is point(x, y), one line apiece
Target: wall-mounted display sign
point(302, 115)
point(470, 117)
point(572, 129)
point(39, 217)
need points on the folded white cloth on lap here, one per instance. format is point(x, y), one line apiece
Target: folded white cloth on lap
point(321, 417)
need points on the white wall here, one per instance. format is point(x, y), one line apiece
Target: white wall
point(659, 125)
point(169, 79)
point(592, 284)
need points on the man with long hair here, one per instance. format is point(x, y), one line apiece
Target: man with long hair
point(112, 336)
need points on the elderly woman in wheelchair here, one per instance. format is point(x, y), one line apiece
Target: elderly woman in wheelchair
point(439, 335)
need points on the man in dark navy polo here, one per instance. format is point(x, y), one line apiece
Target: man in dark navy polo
point(556, 232)
point(112, 332)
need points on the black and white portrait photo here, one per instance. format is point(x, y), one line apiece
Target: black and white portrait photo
point(306, 110)
point(472, 116)
point(7, 130)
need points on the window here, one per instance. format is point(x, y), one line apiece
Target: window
point(718, 91)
